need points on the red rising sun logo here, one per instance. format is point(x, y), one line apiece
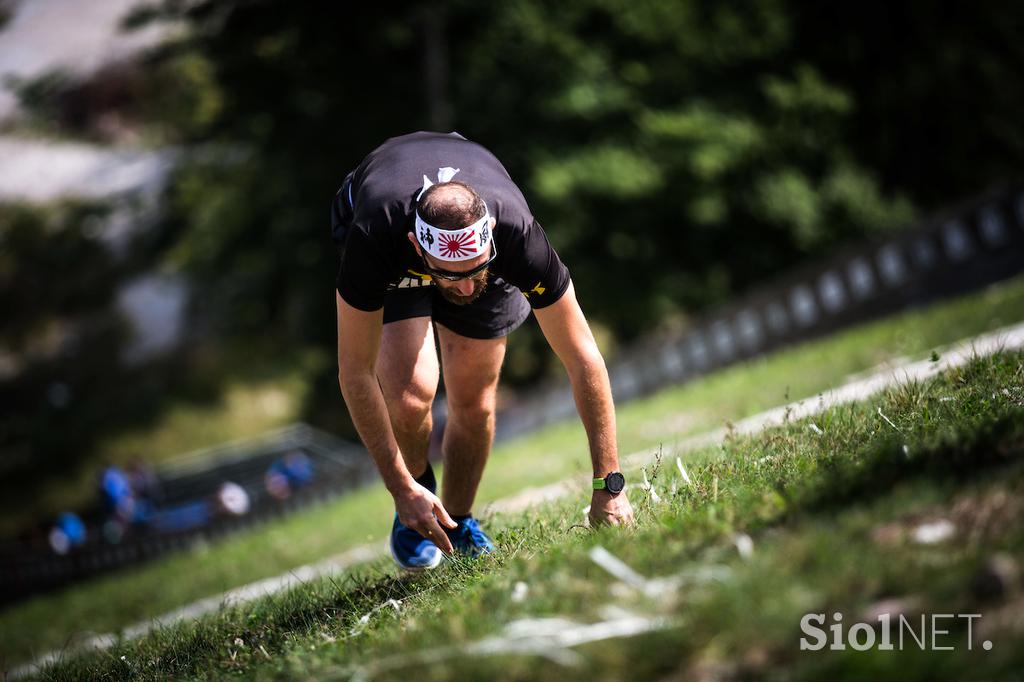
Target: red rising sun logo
point(456, 247)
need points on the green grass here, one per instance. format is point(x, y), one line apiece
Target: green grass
point(111, 602)
point(832, 516)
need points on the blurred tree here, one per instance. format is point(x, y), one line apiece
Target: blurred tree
point(287, 98)
point(938, 109)
point(53, 257)
point(677, 153)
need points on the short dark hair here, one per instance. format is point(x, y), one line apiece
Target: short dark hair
point(451, 205)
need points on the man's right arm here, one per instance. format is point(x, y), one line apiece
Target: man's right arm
point(359, 336)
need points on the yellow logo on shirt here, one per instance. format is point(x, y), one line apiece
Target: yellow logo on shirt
point(539, 290)
point(417, 280)
point(424, 277)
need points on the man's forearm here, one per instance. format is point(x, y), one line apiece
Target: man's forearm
point(369, 414)
point(592, 392)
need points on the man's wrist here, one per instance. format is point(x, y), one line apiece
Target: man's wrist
point(399, 481)
point(613, 483)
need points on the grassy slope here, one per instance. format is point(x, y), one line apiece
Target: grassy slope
point(832, 516)
point(117, 600)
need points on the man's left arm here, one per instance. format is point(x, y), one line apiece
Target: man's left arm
point(569, 335)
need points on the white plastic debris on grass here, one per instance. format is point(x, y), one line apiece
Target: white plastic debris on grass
point(933, 532)
point(551, 638)
point(654, 588)
point(817, 429)
point(519, 592)
point(615, 566)
point(702, 575)
point(659, 587)
point(888, 421)
point(363, 621)
point(682, 472)
point(646, 485)
point(744, 545)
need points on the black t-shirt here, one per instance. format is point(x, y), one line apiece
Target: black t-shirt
point(374, 211)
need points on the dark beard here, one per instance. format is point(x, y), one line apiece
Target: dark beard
point(479, 287)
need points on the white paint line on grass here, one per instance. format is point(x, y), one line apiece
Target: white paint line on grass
point(239, 595)
point(1007, 338)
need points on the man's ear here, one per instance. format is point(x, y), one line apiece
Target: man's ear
point(494, 221)
point(415, 244)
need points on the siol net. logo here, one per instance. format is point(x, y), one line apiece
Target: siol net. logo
point(934, 632)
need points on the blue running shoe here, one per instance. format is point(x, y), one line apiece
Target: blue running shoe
point(412, 551)
point(468, 539)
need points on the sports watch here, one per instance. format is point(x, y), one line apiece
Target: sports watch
point(613, 483)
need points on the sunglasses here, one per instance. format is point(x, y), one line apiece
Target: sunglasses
point(450, 276)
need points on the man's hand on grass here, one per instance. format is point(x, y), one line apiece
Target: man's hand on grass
point(421, 510)
point(606, 508)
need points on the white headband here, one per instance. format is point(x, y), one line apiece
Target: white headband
point(452, 245)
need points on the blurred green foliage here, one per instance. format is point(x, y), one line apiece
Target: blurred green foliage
point(678, 153)
point(53, 256)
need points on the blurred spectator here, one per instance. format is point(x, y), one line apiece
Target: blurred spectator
point(116, 493)
point(232, 499)
point(67, 533)
point(121, 503)
point(276, 483)
point(144, 481)
point(298, 468)
point(293, 471)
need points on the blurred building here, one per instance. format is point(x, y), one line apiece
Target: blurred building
point(85, 43)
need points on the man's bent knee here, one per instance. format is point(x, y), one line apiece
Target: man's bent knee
point(411, 408)
point(471, 412)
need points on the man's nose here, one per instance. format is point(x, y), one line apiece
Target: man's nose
point(464, 287)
